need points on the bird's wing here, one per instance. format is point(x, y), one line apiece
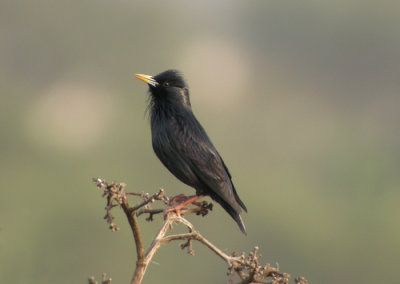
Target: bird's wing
point(195, 149)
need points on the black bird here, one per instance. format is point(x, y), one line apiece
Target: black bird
point(183, 146)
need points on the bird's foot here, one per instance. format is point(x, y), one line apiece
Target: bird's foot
point(185, 200)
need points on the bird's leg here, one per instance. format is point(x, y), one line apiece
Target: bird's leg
point(179, 198)
point(182, 198)
point(186, 201)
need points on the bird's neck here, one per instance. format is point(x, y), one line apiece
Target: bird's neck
point(169, 107)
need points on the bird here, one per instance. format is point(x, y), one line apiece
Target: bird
point(183, 146)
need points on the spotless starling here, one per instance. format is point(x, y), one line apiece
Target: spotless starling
point(183, 146)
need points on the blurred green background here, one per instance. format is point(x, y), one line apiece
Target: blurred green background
point(301, 98)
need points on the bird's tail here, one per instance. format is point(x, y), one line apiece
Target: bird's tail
point(235, 213)
point(239, 221)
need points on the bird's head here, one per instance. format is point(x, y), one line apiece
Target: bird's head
point(168, 86)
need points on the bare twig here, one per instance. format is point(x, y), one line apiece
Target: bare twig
point(104, 280)
point(116, 192)
point(246, 267)
point(150, 199)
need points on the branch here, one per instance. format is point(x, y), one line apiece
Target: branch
point(246, 267)
point(104, 280)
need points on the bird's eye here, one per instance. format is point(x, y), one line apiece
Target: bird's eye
point(166, 84)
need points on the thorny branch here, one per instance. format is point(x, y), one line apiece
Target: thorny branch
point(245, 267)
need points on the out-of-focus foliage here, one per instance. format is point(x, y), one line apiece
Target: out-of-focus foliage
point(300, 97)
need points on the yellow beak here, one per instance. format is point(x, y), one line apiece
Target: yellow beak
point(147, 79)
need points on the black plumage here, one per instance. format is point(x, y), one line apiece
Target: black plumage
point(183, 146)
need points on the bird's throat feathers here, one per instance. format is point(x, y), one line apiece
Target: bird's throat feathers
point(171, 103)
